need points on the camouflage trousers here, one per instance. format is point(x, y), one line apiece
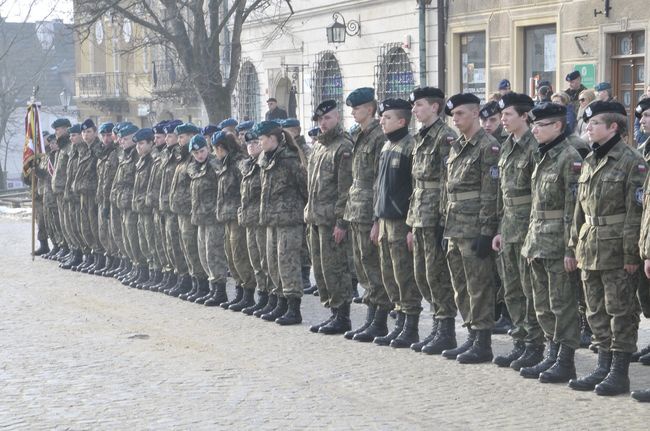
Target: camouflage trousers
point(62, 206)
point(173, 243)
point(612, 308)
point(643, 293)
point(212, 252)
point(116, 230)
point(145, 238)
point(159, 250)
point(397, 266)
point(237, 255)
point(284, 260)
point(473, 281)
point(73, 225)
point(556, 301)
point(52, 221)
point(190, 246)
point(131, 238)
point(432, 273)
point(518, 294)
point(305, 254)
point(39, 213)
point(104, 230)
point(89, 225)
point(256, 244)
point(368, 268)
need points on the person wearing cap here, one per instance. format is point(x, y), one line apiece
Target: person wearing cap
point(46, 201)
point(490, 118)
point(208, 131)
point(575, 88)
point(313, 134)
point(229, 125)
point(210, 233)
point(175, 154)
point(605, 238)
point(432, 144)
point(180, 202)
point(241, 129)
point(274, 112)
point(63, 149)
point(470, 220)
point(603, 92)
point(504, 87)
point(516, 164)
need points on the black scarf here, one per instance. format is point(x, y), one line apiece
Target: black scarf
point(543, 149)
point(398, 134)
point(601, 151)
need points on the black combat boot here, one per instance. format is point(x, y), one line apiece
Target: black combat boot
point(155, 277)
point(341, 322)
point(417, 347)
point(377, 328)
point(171, 283)
point(210, 290)
point(143, 278)
point(262, 300)
point(481, 350)
point(636, 356)
point(133, 275)
point(164, 278)
point(184, 285)
point(504, 324)
point(642, 395)
point(89, 268)
point(53, 252)
point(399, 326)
point(314, 328)
point(589, 382)
point(127, 271)
point(453, 353)
point(292, 315)
point(195, 286)
point(533, 355)
point(81, 264)
point(44, 248)
point(270, 306)
point(67, 255)
point(118, 265)
point(247, 300)
point(516, 352)
point(202, 289)
point(90, 259)
point(219, 296)
point(585, 331)
point(239, 294)
point(645, 359)
point(100, 264)
point(618, 380)
point(546, 363)
point(74, 260)
point(564, 368)
point(59, 256)
point(278, 311)
point(445, 338)
point(370, 315)
point(409, 334)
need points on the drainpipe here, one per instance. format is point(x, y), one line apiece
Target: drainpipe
point(442, 49)
point(423, 41)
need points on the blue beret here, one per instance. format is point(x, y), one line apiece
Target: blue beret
point(360, 96)
point(118, 126)
point(313, 132)
point(547, 110)
point(572, 75)
point(197, 142)
point(127, 129)
point(87, 124)
point(518, 99)
point(489, 109)
point(290, 122)
point(461, 99)
point(145, 134)
point(393, 104)
point(504, 84)
point(250, 136)
point(210, 129)
point(266, 127)
point(602, 86)
point(171, 125)
point(421, 93)
point(245, 125)
point(186, 128)
point(106, 127)
point(323, 108)
point(641, 107)
point(159, 128)
point(75, 128)
point(61, 122)
point(600, 107)
point(229, 122)
point(218, 137)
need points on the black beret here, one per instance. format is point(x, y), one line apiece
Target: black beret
point(600, 107)
point(87, 124)
point(159, 128)
point(489, 109)
point(61, 122)
point(642, 106)
point(602, 86)
point(461, 99)
point(394, 104)
point(322, 109)
point(210, 130)
point(421, 93)
point(313, 132)
point(250, 136)
point(360, 96)
point(519, 99)
point(547, 110)
point(572, 75)
point(74, 129)
point(145, 134)
point(171, 125)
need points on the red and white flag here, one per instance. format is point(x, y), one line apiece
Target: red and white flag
point(34, 143)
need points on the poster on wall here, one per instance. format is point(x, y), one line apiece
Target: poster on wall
point(550, 52)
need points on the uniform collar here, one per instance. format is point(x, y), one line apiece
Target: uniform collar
point(475, 139)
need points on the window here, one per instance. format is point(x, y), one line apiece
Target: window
point(327, 82)
point(472, 64)
point(540, 52)
point(249, 93)
point(393, 73)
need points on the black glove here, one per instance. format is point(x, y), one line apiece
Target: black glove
point(482, 246)
point(106, 213)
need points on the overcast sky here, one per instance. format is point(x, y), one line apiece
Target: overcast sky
point(19, 10)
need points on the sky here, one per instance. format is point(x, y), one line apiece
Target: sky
point(19, 10)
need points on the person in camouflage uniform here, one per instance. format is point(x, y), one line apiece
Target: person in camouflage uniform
point(44, 171)
point(39, 206)
point(432, 145)
point(470, 208)
point(328, 182)
point(73, 203)
point(59, 179)
point(282, 202)
point(605, 237)
point(490, 115)
point(514, 199)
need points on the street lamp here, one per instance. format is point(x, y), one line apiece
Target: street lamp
point(64, 98)
point(338, 30)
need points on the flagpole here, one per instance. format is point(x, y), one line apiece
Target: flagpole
point(32, 103)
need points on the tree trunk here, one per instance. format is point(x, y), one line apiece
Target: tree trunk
point(217, 103)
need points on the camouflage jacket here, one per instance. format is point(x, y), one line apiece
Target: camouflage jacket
point(203, 191)
point(106, 168)
point(644, 239)
point(122, 189)
point(470, 198)
point(514, 196)
point(500, 134)
point(71, 174)
point(365, 162)
point(284, 188)
point(607, 220)
point(228, 186)
point(142, 175)
point(45, 162)
point(85, 180)
point(250, 189)
point(302, 143)
point(429, 171)
point(152, 199)
point(394, 184)
point(579, 144)
point(554, 184)
point(61, 165)
point(180, 196)
point(168, 167)
point(329, 179)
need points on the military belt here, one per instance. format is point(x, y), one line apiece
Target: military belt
point(548, 215)
point(420, 184)
point(605, 220)
point(453, 197)
point(362, 184)
point(518, 200)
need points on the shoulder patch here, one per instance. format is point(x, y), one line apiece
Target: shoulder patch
point(494, 172)
point(346, 154)
point(642, 168)
point(495, 149)
point(576, 166)
point(450, 139)
point(638, 195)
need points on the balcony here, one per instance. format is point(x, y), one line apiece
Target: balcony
point(168, 77)
point(102, 86)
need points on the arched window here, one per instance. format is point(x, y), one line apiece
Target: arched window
point(393, 73)
point(327, 82)
point(249, 93)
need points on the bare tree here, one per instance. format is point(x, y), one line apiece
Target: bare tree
point(197, 31)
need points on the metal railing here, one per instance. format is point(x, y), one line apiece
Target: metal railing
point(111, 85)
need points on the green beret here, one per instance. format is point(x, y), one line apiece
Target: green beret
point(197, 142)
point(74, 129)
point(61, 122)
point(290, 122)
point(360, 96)
point(106, 127)
point(266, 127)
point(602, 86)
point(145, 134)
point(126, 130)
point(187, 128)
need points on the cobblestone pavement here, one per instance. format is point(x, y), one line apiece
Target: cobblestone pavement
point(82, 352)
